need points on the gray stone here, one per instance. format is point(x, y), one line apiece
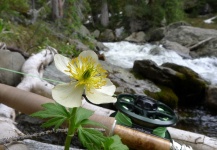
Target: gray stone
point(188, 37)
point(211, 97)
point(51, 72)
point(156, 51)
point(207, 49)
point(35, 145)
point(96, 34)
point(138, 37)
point(12, 61)
point(107, 36)
point(178, 48)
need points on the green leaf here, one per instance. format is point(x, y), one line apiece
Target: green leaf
point(123, 119)
point(82, 114)
point(52, 110)
point(56, 122)
point(91, 138)
point(55, 111)
point(92, 123)
point(114, 143)
point(160, 131)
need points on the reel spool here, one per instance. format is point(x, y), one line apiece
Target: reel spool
point(145, 111)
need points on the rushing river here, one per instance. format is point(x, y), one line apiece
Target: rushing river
point(197, 119)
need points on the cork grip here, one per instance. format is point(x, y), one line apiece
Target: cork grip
point(140, 141)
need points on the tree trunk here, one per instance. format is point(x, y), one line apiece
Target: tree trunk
point(57, 9)
point(104, 14)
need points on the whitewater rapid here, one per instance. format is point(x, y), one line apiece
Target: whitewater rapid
point(123, 54)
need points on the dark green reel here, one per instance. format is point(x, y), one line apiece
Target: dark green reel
point(145, 111)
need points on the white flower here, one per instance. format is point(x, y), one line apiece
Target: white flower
point(87, 76)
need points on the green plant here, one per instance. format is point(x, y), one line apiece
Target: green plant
point(88, 77)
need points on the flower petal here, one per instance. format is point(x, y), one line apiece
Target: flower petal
point(68, 94)
point(89, 53)
point(108, 89)
point(98, 97)
point(61, 63)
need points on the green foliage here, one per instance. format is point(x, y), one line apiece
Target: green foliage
point(13, 7)
point(55, 111)
point(91, 138)
point(173, 11)
point(2, 25)
point(160, 131)
point(77, 120)
point(114, 143)
point(123, 119)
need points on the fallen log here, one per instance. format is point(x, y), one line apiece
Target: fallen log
point(33, 69)
point(195, 46)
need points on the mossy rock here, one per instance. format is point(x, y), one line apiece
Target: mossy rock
point(166, 96)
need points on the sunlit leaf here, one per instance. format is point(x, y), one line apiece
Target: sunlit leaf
point(160, 131)
point(82, 114)
point(114, 143)
point(123, 119)
point(90, 138)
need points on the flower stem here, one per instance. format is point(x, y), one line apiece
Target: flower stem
point(69, 137)
point(71, 130)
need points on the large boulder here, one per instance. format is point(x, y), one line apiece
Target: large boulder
point(186, 84)
point(12, 61)
point(208, 48)
point(190, 36)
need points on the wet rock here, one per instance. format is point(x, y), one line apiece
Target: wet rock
point(138, 37)
point(211, 97)
point(156, 50)
point(12, 61)
point(186, 84)
point(174, 46)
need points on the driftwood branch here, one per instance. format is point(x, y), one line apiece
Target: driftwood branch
point(200, 44)
point(34, 68)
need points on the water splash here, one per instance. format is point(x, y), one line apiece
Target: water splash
point(124, 54)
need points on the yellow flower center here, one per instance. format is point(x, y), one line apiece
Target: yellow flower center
point(87, 72)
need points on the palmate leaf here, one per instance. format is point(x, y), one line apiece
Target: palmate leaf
point(114, 143)
point(160, 131)
point(56, 112)
point(52, 110)
point(56, 122)
point(81, 114)
point(91, 138)
point(123, 119)
point(92, 123)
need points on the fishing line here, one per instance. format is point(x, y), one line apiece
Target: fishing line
point(31, 75)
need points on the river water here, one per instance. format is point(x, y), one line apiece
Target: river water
point(196, 119)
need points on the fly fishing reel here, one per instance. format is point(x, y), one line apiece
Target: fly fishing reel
point(145, 111)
